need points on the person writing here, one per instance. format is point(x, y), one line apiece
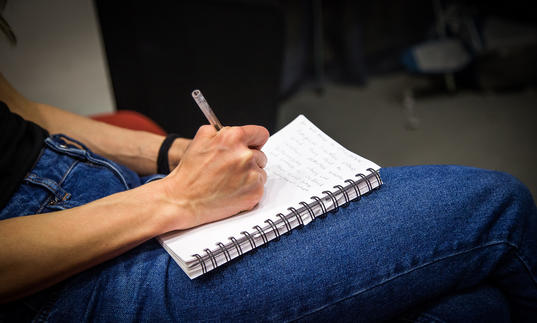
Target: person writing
point(80, 206)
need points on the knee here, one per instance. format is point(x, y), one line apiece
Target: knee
point(507, 186)
point(450, 185)
point(488, 188)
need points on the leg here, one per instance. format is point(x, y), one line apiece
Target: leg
point(65, 176)
point(482, 304)
point(429, 232)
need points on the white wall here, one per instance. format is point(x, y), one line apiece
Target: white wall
point(59, 58)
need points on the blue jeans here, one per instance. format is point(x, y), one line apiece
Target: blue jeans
point(435, 243)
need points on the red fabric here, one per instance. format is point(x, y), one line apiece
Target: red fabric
point(130, 120)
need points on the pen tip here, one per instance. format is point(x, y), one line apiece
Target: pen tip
point(195, 93)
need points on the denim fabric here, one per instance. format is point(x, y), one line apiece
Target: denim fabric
point(435, 243)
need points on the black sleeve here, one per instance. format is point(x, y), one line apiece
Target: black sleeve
point(20, 144)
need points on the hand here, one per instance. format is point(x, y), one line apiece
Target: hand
point(220, 174)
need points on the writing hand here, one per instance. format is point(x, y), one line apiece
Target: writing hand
point(220, 174)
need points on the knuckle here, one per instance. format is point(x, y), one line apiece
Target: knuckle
point(237, 133)
point(205, 130)
point(245, 157)
point(253, 177)
point(248, 155)
point(264, 159)
point(264, 131)
point(230, 134)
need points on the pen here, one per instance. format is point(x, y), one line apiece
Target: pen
point(206, 109)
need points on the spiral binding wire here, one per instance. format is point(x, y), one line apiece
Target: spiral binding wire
point(201, 262)
point(321, 204)
point(334, 200)
point(341, 191)
point(274, 228)
point(237, 245)
point(262, 233)
point(377, 176)
point(355, 187)
point(250, 239)
point(345, 195)
point(284, 219)
point(369, 188)
point(298, 217)
point(310, 210)
point(211, 256)
point(224, 250)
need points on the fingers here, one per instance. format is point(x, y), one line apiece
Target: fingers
point(260, 158)
point(206, 131)
point(263, 175)
point(254, 136)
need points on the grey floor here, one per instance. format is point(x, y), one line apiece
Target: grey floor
point(492, 131)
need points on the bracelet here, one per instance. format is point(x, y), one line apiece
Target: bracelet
point(163, 164)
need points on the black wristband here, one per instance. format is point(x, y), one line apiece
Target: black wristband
point(162, 159)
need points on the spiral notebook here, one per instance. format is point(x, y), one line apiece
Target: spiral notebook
point(309, 175)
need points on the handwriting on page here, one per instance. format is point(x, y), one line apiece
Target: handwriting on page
point(308, 158)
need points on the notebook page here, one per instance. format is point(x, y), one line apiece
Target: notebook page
point(302, 161)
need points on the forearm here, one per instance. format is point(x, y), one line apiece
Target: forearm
point(136, 149)
point(41, 250)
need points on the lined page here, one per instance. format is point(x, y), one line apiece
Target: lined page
point(302, 162)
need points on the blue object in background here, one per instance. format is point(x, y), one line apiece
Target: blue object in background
point(447, 55)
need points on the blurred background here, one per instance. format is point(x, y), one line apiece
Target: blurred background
point(398, 82)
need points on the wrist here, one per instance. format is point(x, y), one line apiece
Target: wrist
point(163, 159)
point(176, 152)
point(174, 209)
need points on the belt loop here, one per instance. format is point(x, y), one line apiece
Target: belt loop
point(59, 193)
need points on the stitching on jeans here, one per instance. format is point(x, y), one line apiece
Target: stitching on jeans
point(42, 206)
point(69, 170)
point(43, 183)
point(34, 179)
point(431, 317)
point(490, 244)
point(90, 158)
point(110, 166)
point(526, 266)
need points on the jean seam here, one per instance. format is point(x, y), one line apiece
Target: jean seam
point(490, 244)
point(526, 266)
point(113, 167)
point(69, 170)
point(431, 317)
point(35, 180)
point(52, 196)
point(44, 204)
point(90, 159)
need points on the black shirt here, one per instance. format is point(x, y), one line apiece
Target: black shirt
point(20, 144)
